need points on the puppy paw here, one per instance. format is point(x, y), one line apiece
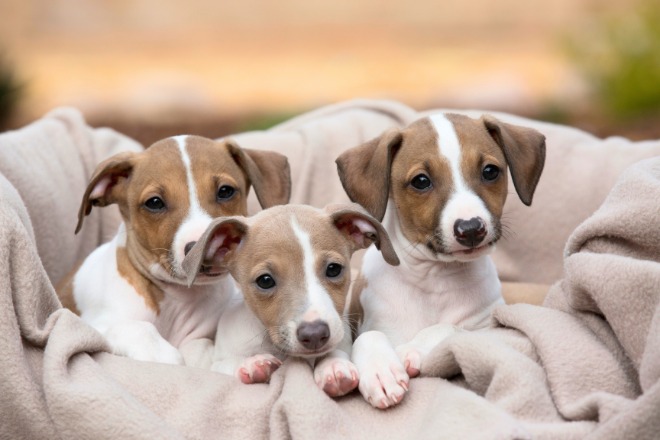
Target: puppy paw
point(411, 358)
point(141, 341)
point(384, 384)
point(336, 376)
point(258, 368)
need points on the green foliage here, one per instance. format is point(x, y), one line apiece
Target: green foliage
point(263, 121)
point(620, 58)
point(10, 91)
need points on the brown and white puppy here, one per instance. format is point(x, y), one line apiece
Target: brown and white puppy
point(439, 186)
point(292, 265)
point(133, 289)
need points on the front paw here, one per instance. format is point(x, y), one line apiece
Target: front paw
point(336, 376)
point(258, 368)
point(411, 358)
point(161, 351)
point(383, 383)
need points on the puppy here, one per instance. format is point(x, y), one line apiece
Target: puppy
point(133, 289)
point(292, 265)
point(439, 187)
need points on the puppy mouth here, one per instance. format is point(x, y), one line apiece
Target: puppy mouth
point(471, 251)
point(439, 249)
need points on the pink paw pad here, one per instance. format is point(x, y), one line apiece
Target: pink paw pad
point(258, 369)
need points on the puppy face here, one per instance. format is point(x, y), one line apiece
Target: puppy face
point(292, 264)
point(169, 194)
point(446, 178)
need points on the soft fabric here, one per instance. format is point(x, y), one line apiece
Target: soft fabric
point(580, 169)
point(587, 363)
point(50, 163)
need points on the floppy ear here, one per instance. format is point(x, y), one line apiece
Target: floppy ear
point(364, 171)
point(267, 171)
point(524, 150)
point(361, 229)
point(108, 184)
point(216, 246)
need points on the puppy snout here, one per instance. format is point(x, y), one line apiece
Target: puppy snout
point(188, 246)
point(470, 232)
point(313, 335)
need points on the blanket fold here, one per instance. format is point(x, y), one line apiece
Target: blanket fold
point(585, 364)
point(593, 337)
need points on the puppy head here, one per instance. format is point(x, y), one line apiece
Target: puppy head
point(446, 178)
point(169, 194)
point(292, 264)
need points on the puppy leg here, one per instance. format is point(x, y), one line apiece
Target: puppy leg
point(141, 340)
point(383, 378)
point(413, 353)
point(239, 346)
point(336, 374)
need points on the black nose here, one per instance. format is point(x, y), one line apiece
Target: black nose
point(470, 232)
point(188, 246)
point(313, 335)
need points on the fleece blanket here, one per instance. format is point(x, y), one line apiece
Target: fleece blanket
point(584, 364)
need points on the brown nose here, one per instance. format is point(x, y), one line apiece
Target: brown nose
point(470, 232)
point(188, 246)
point(313, 335)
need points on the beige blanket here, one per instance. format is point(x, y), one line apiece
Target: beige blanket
point(587, 363)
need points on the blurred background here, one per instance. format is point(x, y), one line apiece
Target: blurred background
point(153, 68)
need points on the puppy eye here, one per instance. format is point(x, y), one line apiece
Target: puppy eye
point(421, 182)
point(155, 204)
point(490, 173)
point(225, 192)
point(333, 270)
point(265, 282)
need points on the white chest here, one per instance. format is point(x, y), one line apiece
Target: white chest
point(400, 302)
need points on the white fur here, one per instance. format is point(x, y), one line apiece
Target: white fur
point(243, 348)
point(110, 304)
point(463, 202)
point(410, 308)
point(319, 304)
point(197, 220)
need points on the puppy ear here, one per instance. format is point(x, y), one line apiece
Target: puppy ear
point(267, 171)
point(108, 184)
point(361, 229)
point(365, 171)
point(216, 246)
point(524, 150)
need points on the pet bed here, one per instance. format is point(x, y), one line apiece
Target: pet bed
point(586, 363)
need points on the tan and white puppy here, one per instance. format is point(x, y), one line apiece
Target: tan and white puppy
point(133, 289)
point(292, 265)
point(439, 186)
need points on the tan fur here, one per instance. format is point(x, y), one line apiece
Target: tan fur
point(385, 166)
point(143, 286)
point(355, 311)
point(269, 245)
point(134, 178)
point(419, 212)
point(278, 252)
point(65, 291)
point(478, 150)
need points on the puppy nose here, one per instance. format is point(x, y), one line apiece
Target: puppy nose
point(188, 246)
point(470, 232)
point(313, 335)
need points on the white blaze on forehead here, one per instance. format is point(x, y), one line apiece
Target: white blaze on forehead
point(197, 219)
point(192, 190)
point(463, 202)
point(449, 147)
point(319, 303)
